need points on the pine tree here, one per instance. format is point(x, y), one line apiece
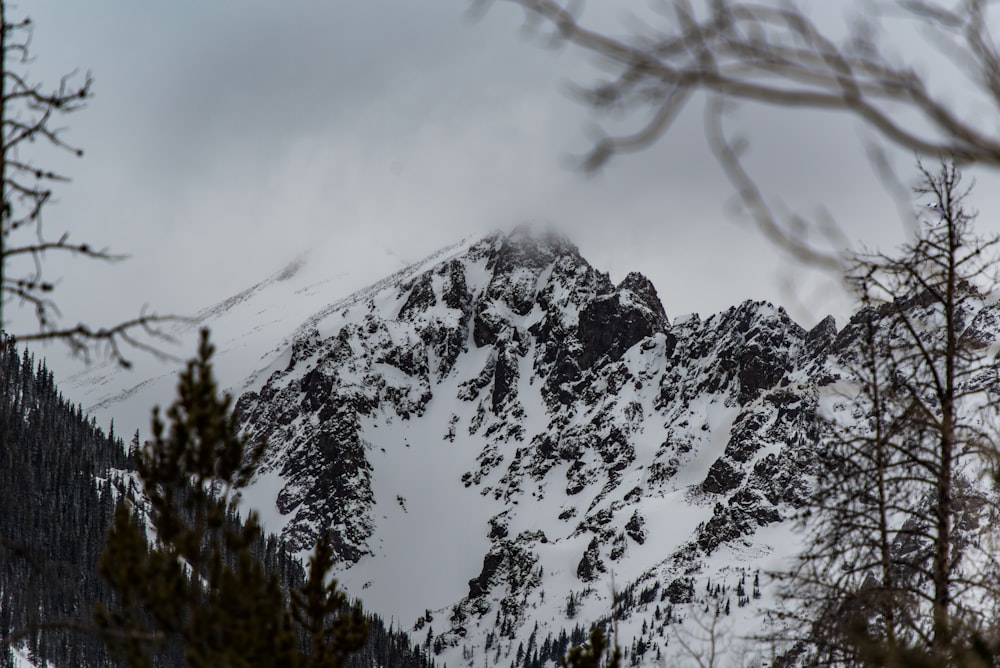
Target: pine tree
point(319, 602)
point(198, 587)
point(589, 655)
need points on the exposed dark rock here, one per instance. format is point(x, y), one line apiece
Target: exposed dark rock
point(480, 585)
point(617, 548)
point(742, 516)
point(636, 528)
point(505, 375)
point(821, 337)
point(591, 566)
point(509, 573)
point(446, 338)
point(577, 481)
point(611, 325)
point(645, 294)
point(854, 329)
point(680, 590)
point(722, 477)
point(517, 263)
point(455, 293)
point(420, 299)
point(486, 327)
point(745, 439)
point(409, 360)
point(336, 471)
point(498, 527)
point(567, 514)
point(756, 375)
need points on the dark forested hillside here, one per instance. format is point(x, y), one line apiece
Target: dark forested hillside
point(56, 501)
point(60, 478)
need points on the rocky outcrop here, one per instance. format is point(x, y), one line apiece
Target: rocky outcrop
point(611, 324)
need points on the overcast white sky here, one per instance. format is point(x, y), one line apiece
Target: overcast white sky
point(228, 137)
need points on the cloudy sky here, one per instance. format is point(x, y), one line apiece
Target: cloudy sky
point(226, 138)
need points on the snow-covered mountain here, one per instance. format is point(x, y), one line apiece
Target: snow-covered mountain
point(499, 437)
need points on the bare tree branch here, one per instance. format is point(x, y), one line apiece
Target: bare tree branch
point(28, 114)
point(776, 55)
point(81, 338)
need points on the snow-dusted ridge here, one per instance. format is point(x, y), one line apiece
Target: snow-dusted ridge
point(251, 331)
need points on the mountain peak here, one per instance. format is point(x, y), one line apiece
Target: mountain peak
point(533, 241)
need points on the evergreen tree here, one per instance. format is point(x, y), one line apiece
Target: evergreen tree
point(198, 586)
point(319, 602)
point(589, 655)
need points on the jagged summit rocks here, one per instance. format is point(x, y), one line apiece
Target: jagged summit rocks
point(509, 427)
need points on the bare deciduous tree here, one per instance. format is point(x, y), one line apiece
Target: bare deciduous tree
point(705, 639)
point(29, 116)
point(898, 560)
